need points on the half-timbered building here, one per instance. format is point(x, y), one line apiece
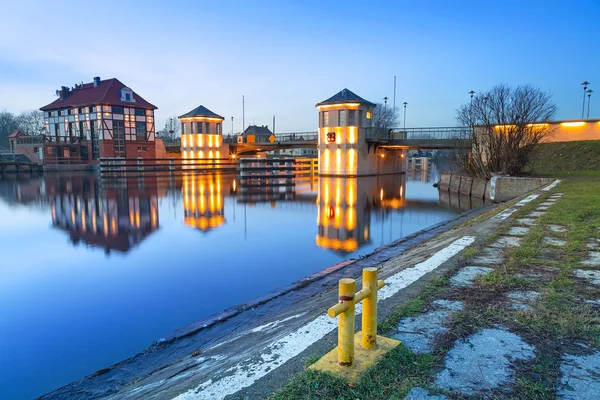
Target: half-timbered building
point(103, 118)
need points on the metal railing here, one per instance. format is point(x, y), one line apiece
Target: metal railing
point(432, 133)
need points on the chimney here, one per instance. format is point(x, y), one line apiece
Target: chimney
point(63, 93)
point(96, 81)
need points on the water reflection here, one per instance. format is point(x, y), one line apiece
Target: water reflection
point(203, 200)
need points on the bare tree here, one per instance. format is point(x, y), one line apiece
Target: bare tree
point(171, 130)
point(8, 124)
point(384, 118)
point(505, 125)
point(31, 122)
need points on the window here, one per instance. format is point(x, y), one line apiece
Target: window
point(342, 118)
point(368, 114)
point(360, 117)
point(81, 110)
point(351, 117)
point(117, 110)
point(218, 129)
point(56, 130)
point(60, 112)
point(325, 118)
point(142, 149)
point(92, 109)
point(70, 112)
point(127, 96)
point(206, 127)
point(82, 129)
point(140, 131)
point(199, 126)
point(183, 128)
point(50, 150)
point(192, 126)
point(140, 113)
point(119, 138)
point(70, 129)
point(49, 114)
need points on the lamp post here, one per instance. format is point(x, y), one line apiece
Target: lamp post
point(585, 85)
point(404, 104)
point(385, 99)
point(231, 126)
point(589, 93)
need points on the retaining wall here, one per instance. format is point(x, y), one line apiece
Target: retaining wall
point(498, 189)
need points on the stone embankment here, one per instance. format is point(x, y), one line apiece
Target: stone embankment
point(498, 189)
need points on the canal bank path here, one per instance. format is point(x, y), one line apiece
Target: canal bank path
point(251, 351)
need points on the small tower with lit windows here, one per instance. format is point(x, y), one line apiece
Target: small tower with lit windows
point(202, 134)
point(346, 146)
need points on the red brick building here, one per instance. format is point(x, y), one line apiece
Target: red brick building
point(103, 118)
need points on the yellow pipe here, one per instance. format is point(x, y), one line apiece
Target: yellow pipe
point(346, 323)
point(369, 313)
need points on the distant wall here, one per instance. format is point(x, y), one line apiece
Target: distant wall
point(498, 189)
point(568, 131)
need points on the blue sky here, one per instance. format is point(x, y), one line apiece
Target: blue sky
point(285, 56)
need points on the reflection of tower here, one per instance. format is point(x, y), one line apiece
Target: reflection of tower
point(116, 215)
point(203, 205)
point(342, 216)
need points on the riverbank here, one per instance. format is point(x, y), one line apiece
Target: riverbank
point(519, 316)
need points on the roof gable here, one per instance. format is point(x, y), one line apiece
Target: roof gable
point(201, 111)
point(345, 96)
point(17, 133)
point(107, 92)
point(258, 130)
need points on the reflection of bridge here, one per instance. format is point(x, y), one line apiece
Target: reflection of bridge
point(408, 138)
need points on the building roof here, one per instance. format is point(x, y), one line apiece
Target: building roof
point(258, 130)
point(17, 133)
point(199, 112)
point(107, 92)
point(345, 96)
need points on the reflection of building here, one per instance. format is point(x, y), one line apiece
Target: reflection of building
point(203, 201)
point(202, 134)
point(345, 205)
point(98, 119)
point(111, 215)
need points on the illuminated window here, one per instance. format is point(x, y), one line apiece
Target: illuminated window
point(199, 127)
point(192, 126)
point(368, 114)
point(140, 131)
point(325, 118)
point(351, 117)
point(342, 118)
point(331, 137)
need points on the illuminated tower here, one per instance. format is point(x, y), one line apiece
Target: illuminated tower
point(202, 134)
point(346, 144)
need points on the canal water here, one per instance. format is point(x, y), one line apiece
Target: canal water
point(93, 270)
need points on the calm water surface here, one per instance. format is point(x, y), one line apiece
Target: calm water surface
point(92, 270)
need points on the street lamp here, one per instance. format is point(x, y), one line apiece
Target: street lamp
point(404, 104)
point(585, 85)
point(589, 93)
point(385, 99)
point(472, 92)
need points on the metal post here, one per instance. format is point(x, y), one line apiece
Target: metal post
point(405, 103)
point(369, 313)
point(585, 85)
point(589, 93)
point(346, 322)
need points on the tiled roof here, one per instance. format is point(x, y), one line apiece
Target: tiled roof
point(107, 92)
point(345, 96)
point(201, 111)
point(17, 134)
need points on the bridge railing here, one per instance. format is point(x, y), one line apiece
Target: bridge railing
point(296, 136)
point(432, 133)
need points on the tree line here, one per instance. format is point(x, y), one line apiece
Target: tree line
point(30, 122)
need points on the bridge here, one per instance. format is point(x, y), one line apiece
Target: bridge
point(440, 138)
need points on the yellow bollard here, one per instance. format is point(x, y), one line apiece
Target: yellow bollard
point(356, 353)
point(346, 322)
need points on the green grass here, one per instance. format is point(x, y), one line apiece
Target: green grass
point(566, 158)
